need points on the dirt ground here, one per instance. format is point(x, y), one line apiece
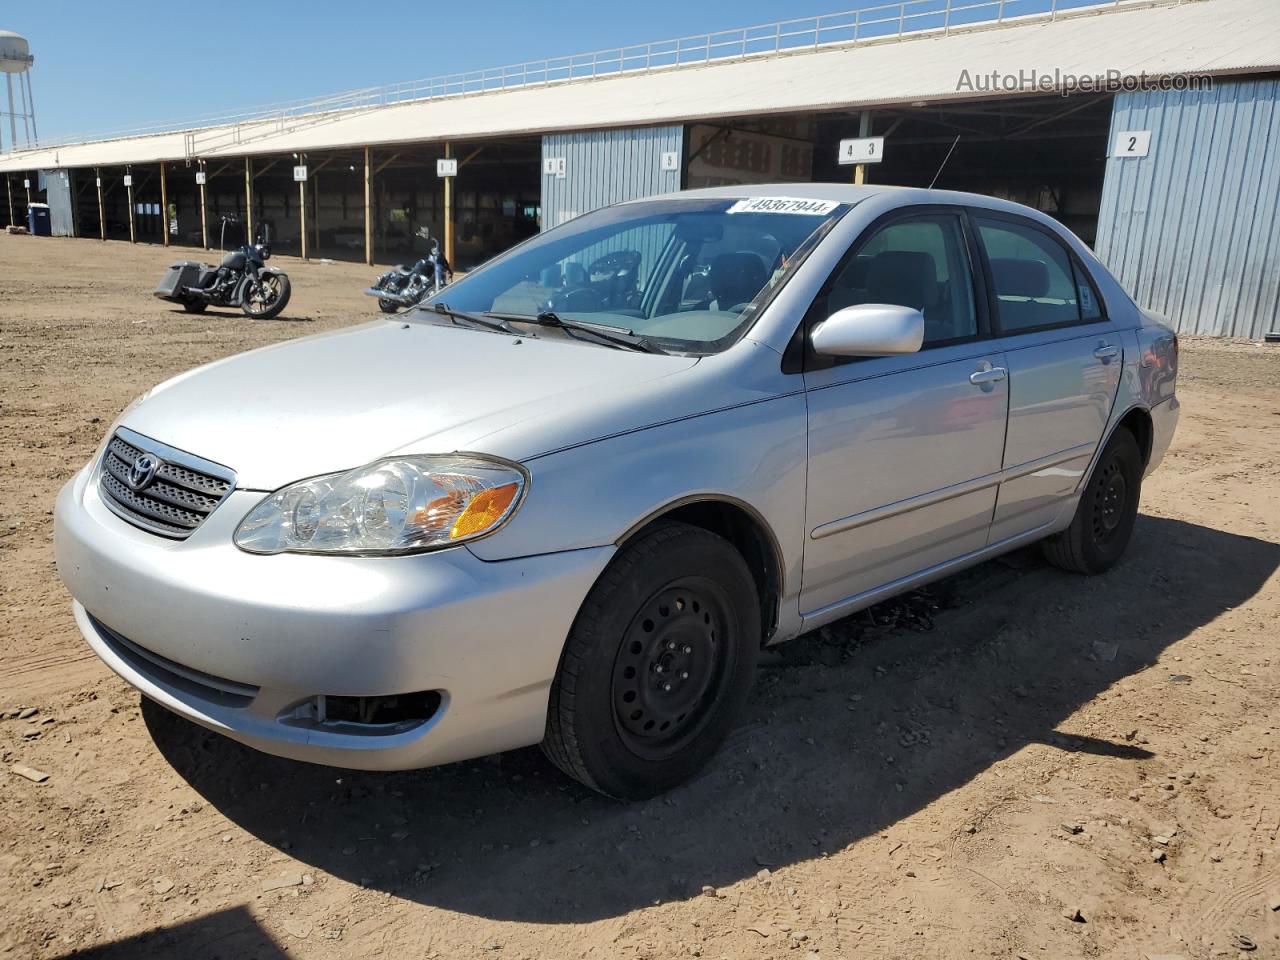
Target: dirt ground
point(1016, 763)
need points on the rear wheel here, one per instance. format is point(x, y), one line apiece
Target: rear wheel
point(1108, 508)
point(195, 306)
point(268, 296)
point(657, 665)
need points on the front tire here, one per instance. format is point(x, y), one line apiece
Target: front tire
point(387, 306)
point(1108, 508)
point(657, 664)
point(195, 306)
point(272, 296)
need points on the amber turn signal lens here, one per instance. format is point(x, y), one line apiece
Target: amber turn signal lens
point(485, 509)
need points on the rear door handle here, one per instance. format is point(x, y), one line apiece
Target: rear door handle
point(1106, 351)
point(990, 375)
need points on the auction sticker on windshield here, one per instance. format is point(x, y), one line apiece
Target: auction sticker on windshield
point(817, 208)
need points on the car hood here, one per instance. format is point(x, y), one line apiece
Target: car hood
point(339, 400)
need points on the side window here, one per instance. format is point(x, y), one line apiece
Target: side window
point(1035, 283)
point(920, 262)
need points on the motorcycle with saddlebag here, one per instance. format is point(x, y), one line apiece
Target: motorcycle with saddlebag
point(241, 280)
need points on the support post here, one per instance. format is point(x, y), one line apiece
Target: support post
point(368, 203)
point(315, 200)
point(248, 200)
point(864, 130)
point(448, 212)
point(9, 184)
point(302, 207)
point(164, 205)
point(204, 218)
point(132, 232)
point(102, 211)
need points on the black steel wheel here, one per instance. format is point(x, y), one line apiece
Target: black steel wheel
point(671, 667)
point(657, 664)
point(1108, 509)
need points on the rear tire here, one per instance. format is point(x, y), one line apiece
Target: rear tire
point(657, 664)
point(195, 306)
point(272, 307)
point(1108, 508)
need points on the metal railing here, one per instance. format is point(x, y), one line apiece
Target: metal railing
point(873, 24)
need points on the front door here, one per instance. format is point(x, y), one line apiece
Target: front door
point(904, 452)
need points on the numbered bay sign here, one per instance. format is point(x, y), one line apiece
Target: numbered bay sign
point(128, 179)
point(199, 178)
point(447, 167)
point(1132, 143)
point(300, 173)
point(553, 167)
point(670, 160)
point(26, 184)
point(862, 150)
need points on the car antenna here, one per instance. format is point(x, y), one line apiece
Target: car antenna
point(944, 161)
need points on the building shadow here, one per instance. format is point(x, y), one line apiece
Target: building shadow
point(231, 934)
point(849, 730)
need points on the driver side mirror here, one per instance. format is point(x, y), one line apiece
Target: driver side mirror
point(869, 330)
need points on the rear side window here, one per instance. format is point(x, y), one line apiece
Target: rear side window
point(1036, 284)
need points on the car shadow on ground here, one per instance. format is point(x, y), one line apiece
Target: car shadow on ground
point(228, 933)
point(848, 731)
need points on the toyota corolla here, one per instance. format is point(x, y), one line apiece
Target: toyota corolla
point(570, 498)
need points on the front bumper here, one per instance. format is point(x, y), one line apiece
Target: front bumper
point(487, 636)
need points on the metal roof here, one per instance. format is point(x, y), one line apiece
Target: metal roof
point(1159, 39)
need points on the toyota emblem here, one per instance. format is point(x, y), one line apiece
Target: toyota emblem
point(143, 471)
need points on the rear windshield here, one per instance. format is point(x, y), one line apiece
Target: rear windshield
point(686, 274)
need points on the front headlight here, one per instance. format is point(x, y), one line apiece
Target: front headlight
point(393, 506)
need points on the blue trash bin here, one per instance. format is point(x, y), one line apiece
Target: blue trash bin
point(38, 220)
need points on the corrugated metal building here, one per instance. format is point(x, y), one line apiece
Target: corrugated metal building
point(1191, 226)
point(1193, 229)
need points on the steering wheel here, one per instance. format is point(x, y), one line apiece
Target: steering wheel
point(614, 263)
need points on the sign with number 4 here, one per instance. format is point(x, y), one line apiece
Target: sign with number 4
point(1132, 143)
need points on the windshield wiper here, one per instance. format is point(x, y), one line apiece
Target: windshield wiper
point(616, 336)
point(476, 319)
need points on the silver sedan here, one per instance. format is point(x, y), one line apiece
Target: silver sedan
point(569, 499)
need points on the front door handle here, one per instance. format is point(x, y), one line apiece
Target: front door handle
point(980, 378)
point(1106, 351)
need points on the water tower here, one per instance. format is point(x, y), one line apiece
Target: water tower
point(16, 58)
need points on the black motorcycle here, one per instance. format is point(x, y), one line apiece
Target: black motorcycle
point(406, 286)
point(241, 280)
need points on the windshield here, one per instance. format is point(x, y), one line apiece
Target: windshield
point(687, 275)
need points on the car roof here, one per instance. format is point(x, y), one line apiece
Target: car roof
point(854, 193)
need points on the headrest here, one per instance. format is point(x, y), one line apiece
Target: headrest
point(736, 278)
point(905, 277)
point(1015, 277)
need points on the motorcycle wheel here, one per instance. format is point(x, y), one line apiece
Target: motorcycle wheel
point(195, 306)
point(388, 306)
point(271, 296)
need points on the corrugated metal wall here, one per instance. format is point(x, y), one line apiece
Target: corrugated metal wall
point(607, 166)
point(1192, 229)
point(62, 218)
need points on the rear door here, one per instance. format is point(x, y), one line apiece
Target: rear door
point(904, 452)
point(1064, 358)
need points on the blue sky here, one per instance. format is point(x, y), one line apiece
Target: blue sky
point(107, 66)
point(115, 66)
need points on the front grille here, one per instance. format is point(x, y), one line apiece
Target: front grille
point(172, 497)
